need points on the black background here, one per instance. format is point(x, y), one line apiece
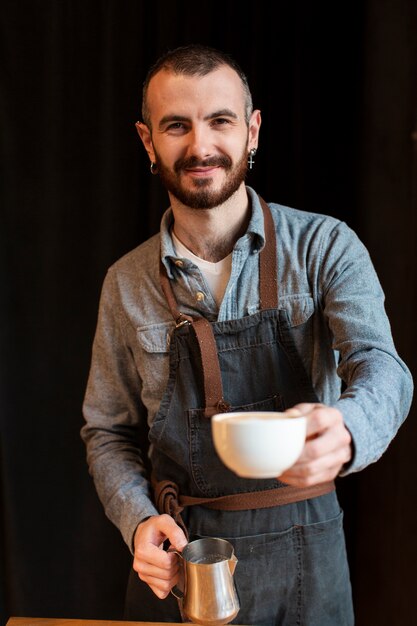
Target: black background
point(336, 83)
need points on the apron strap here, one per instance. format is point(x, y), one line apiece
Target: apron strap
point(268, 289)
point(268, 262)
point(168, 500)
point(212, 378)
point(180, 318)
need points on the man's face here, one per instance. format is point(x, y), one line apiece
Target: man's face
point(199, 139)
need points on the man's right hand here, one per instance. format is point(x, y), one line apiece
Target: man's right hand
point(155, 566)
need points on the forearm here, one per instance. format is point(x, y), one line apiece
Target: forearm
point(374, 405)
point(120, 478)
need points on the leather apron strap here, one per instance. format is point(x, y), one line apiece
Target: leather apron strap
point(268, 263)
point(168, 499)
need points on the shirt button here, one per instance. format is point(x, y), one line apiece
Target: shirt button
point(179, 263)
point(199, 296)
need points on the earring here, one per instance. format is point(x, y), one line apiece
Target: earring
point(251, 160)
point(154, 168)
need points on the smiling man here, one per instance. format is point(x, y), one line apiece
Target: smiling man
point(200, 148)
point(235, 305)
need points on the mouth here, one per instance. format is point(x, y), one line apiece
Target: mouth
point(206, 168)
point(201, 172)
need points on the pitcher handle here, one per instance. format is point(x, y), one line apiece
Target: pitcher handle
point(177, 591)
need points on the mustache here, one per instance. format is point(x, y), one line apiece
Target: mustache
point(192, 161)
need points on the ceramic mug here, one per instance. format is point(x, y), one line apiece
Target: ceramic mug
point(259, 444)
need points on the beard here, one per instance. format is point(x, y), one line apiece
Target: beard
point(202, 196)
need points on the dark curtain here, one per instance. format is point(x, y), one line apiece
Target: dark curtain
point(336, 83)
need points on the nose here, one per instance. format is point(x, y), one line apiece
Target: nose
point(199, 143)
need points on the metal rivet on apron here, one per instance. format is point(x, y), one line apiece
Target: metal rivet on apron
point(199, 296)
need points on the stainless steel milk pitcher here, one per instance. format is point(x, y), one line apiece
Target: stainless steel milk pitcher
point(207, 590)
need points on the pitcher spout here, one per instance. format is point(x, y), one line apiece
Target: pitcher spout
point(232, 564)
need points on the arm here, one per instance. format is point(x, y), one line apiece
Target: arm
point(359, 427)
point(379, 386)
point(114, 417)
point(114, 413)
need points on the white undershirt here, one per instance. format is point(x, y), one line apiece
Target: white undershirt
point(216, 274)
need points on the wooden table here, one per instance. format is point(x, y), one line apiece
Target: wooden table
point(48, 621)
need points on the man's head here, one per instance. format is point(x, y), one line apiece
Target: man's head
point(194, 60)
point(198, 126)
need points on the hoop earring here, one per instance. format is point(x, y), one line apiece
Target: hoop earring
point(154, 168)
point(251, 160)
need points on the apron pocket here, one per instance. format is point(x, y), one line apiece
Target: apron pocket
point(211, 477)
point(325, 573)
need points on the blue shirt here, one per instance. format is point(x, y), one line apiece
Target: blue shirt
point(332, 297)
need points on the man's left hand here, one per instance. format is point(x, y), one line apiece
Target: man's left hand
point(327, 447)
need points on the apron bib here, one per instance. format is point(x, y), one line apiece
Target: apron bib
point(292, 567)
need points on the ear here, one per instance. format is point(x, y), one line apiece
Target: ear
point(146, 137)
point(254, 126)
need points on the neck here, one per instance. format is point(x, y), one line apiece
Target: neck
point(212, 233)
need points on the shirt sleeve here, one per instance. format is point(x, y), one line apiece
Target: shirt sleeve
point(378, 385)
point(115, 416)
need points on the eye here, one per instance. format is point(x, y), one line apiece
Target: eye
point(175, 128)
point(220, 121)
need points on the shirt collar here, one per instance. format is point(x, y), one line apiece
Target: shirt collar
point(255, 230)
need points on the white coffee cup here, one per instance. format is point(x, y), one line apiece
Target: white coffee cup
point(259, 444)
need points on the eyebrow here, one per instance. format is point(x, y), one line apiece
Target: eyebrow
point(182, 118)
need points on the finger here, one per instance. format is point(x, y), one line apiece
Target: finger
point(146, 552)
point(320, 470)
point(152, 534)
point(164, 527)
point(321, 418)
point(302, 482)
point(153, 575)
point(294, 412)
point(304, 408)
point(160, 588)
point(151, 567)
point(331, 462)
point(161, 581)
point(327, 442)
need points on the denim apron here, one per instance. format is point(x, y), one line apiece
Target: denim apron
point(292, 567)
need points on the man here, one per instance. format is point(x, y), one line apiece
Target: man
point(235, 305)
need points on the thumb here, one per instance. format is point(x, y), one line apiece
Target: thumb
point(168, 527)
point(303, 408)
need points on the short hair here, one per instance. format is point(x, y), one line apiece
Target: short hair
point(194, 60)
